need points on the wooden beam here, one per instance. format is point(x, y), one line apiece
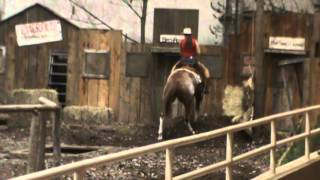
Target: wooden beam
point(158, 49)
point(36, 144)
point(56, 125)
point(169, 164)
point(25, 107)
point(259, 93)
point(290, 61)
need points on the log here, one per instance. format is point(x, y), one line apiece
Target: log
point(37, 143)
point(25, 107)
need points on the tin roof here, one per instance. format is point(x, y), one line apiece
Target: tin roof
point(93, 24)
point(298, 6)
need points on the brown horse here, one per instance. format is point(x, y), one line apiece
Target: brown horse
point(182, 84)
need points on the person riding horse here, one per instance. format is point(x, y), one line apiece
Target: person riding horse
point(189, 51)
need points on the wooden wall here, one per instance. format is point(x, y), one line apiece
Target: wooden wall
point(27, 66)
point(140, 98)
point(83, 90)
point(288, 25)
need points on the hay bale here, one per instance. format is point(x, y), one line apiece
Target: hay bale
point(87, 115)
point(232, 101)
point(28, 96)
point(31, 96)
point(5, 98)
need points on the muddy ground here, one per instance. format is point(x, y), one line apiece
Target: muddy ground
point(147, 167)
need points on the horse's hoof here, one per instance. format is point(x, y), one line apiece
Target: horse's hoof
point(160, 138)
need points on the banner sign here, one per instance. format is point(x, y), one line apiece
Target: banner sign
point(287, 43)
point(39, 32)
point(169, 38)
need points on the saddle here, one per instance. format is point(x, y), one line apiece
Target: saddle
point(190, 65)
point(189, 69)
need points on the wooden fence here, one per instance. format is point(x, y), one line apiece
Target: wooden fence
point(78, 168)
point(37, 138)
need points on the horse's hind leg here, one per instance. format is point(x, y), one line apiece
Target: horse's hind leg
point(160, 131)
point(190, 115)
point(166, 116)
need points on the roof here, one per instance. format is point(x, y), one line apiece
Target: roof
point(78, 24)
point(298, 6)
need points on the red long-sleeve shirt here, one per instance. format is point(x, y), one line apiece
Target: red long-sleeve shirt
point(187, 52)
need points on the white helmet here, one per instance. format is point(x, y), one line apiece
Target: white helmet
point(187, 31)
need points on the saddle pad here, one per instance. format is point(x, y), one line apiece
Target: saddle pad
point(195, 75)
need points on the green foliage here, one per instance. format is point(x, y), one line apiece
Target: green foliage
point(295, 152)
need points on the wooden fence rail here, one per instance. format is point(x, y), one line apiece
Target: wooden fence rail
point(38, 131)
point(168, 146)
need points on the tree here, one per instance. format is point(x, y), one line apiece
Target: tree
point(142, 17)
point(228, 15)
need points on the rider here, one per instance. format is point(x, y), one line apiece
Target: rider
point(189, 51)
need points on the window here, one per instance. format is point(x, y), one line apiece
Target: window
point(2, 59)
point(97, 64)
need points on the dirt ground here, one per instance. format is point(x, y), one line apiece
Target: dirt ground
point(150, 166)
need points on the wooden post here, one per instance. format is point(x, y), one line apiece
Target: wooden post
point(78, 175)
point(307, 140)
point(273, 149)
point(169, 158)
point(37, 143)
point(259, 54)
point(56, 137)
point(229, 155)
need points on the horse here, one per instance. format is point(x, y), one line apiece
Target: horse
point(182, 84)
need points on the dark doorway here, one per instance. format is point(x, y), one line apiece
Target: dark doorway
point(163, 65)
point(58, 66)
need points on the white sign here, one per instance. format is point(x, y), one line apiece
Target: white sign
point(287, 43)
point(40, 32)
point(169, 38)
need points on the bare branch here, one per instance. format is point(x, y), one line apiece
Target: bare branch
point(91, 14)
point(97, 18)
point(130, 6)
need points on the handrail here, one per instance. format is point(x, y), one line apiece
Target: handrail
point(170, 145)
point(45, 104)
point(37, 131)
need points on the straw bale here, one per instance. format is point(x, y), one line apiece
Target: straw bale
point(88, 115)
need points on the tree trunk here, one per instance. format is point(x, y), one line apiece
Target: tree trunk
point(259, 80)
point(143, 21)
point(227, 22)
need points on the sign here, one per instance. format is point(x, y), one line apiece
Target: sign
point(287, 43)
point(38, 33)
point(169, 38)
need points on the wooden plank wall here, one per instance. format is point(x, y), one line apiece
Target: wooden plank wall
point(288, 24)
point(27, 66)
point(140, 98)
point(136, 93)
point(92, 91)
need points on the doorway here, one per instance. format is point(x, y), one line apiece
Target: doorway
point(58, 65)
point(162, 66)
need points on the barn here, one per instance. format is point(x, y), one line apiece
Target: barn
point(80, 63)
